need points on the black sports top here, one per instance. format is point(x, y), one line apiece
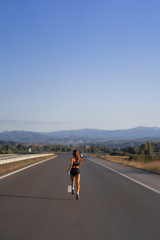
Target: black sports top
point(76, 163)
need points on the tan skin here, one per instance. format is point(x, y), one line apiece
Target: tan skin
point(73, 178)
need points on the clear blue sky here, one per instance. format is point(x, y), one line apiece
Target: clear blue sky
point(79, 64)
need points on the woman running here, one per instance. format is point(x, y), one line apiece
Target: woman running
point(74, 171)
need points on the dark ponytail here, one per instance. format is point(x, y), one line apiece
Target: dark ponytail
point(77, 156)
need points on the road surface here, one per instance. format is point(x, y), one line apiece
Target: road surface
point(35, 204)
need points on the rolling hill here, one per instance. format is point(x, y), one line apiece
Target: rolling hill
point(84, 136)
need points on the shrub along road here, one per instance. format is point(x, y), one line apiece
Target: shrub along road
point(35, 204)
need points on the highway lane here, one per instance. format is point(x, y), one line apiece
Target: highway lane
point(147, 179)
point(35, 204)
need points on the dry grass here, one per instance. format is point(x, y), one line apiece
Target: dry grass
point(118, 159)
point(153, 166)
point(11, 166)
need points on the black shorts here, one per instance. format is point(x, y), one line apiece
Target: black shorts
point(74, 171)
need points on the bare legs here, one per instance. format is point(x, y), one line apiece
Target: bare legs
point(73, 181)
point(77, 177)
point(78, 182)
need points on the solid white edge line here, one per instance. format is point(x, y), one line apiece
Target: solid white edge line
point(132, 179)
point(22, 169)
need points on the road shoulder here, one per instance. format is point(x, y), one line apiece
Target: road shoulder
point(142, 177)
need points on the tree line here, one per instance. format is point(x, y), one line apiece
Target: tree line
point(143, 149)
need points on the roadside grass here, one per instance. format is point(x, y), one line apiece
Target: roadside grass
point(11, 166)
point(151, 166)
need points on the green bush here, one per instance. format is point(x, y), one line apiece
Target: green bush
point(141, 158)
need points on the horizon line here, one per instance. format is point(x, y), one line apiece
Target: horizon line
point(81, 129)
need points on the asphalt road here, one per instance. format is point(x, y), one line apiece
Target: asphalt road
point(35, 205)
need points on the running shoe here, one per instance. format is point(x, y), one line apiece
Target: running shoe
point(77, 196)
point(73, 191)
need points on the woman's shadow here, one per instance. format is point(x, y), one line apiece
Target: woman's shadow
point(34, 197)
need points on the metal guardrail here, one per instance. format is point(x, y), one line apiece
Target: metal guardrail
point(21, 158)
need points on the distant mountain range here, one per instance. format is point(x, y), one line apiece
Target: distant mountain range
point(84, 136)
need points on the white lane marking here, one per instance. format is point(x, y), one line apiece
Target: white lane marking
point(69, 188)
point(132, 179)
point(22, 169)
